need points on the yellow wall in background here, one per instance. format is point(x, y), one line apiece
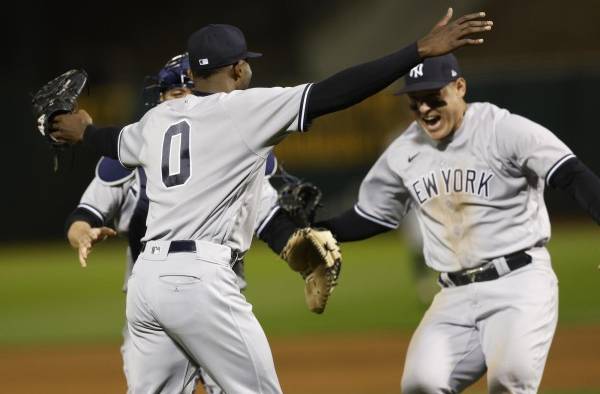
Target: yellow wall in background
point(110, 104)
point(351, 138)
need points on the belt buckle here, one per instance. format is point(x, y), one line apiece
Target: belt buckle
point(472, 273)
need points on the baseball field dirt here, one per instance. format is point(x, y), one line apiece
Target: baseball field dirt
point(333, 364)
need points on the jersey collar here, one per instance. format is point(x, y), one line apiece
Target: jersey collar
point(201, 94)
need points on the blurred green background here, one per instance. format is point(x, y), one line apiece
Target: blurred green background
point(45, 297)
point(49, 302)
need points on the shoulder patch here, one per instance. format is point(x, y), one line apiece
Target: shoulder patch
point(111, 172)
point(271, 166)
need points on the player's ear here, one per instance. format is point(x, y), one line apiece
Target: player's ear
point(461, 87)
point(237, 70)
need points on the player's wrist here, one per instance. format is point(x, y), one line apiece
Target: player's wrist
point(77, 230)
point(88, 131)
point(423, 48)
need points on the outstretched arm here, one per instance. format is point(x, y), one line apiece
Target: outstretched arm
point(350, 226)
point(82, 236)
point(99, 204)
point(78, 126)
point(355, 84)
point(340, 91)
point(105, 140)
point(581, 183)
point(347, 227)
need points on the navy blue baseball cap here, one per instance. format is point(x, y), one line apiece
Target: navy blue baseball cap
point(175, 73)
point(216, 46)
point(434, 73)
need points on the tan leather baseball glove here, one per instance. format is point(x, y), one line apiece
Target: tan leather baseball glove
point(316, 255)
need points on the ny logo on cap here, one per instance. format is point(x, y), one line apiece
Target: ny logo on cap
point(454, 73)
point(203, 62)
point(416, 71)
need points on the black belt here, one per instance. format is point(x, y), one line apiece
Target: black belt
point(484, 272)
point(190, 247)
point(178, 246)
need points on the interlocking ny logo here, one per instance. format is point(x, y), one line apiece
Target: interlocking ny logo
point(416, 71)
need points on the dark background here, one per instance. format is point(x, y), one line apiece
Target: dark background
point(541, 61)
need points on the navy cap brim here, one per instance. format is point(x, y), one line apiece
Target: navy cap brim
point(247, 55)
point(416, 87)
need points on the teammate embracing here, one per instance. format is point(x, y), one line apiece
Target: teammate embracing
point(475, 175)
point(117, 197)
point(204, 156)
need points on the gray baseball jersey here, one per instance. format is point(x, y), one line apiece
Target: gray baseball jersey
point(111, 199)
point(477, 197)
point(204, 158)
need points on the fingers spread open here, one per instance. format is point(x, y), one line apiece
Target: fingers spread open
point(470, 41)
point(108, 232)
point(83, 254)
point(444, 21)
point(477, 23)
point(475, 29)
point(468, 17)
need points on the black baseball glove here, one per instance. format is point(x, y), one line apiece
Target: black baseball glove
point(299, 199)
point(57, 97)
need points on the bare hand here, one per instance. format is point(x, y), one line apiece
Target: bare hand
point(69, 128)
point(83, 237)
point(446, 37)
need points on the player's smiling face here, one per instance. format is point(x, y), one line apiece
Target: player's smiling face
point(440, 112)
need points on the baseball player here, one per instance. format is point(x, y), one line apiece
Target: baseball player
point(117, 195)
point(475, 175)
point(204, 157)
